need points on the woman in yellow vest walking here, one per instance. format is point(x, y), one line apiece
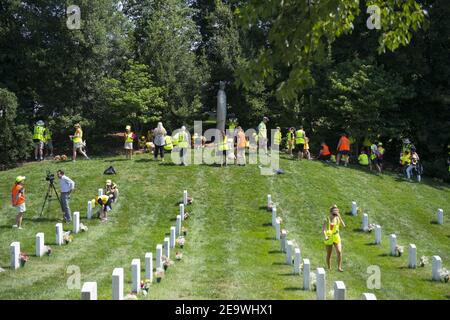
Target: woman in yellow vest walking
point(78, 145)
point(39, 140)
point(330, 230)
point(129, 139)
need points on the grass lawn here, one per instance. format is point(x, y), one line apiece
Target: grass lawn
point(230, 251)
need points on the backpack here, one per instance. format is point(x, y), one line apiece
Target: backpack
point(110, 171)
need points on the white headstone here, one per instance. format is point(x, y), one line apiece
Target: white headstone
point(185, 197)
point(158, 256)
point(354, 208)
point(89, 210)
point(89, 291)
point(297, 259)
point(277, 229)
point(321, 285)
point(178, 225)
point(269, 200)
point(100, 192)
point(436, 266)
point(377, 234)
point(182, 211)
point(274, 215)
point(15, 252)
point(412, 256)
point(339, 290)
point(135, 275)
point(365, 222)
point(173, 236)
point(440, 216)
point(40, 244)
point(117, 284)
point(149, 266)
point(289, 252)
point(392, 244)
point(368, 296)
point(59, 234)
point(167, 247)
point(76, 222)
point(306, 274)
point(283, 240)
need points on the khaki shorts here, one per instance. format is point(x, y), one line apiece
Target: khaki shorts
point(77, 146)
point(21, 208)
point(39, 144)
point(128, 146)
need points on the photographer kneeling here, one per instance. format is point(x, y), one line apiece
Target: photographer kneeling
point(106, 206)
point(67, 186)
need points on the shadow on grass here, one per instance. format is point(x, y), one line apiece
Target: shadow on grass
point(40, 219)
point(293, 289)
point(274, 251)
point(279, 264)
point(143, 160)
point(290, 274)
point(168, 164)
point(264, 208)
point(384, 255)
point(359, 230)
point(434, 222)
point(270, 238)
point(119, 160)
point(267, 224)
point(371, 244)
point(173, 219)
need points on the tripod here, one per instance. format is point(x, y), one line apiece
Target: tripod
point(48, 196)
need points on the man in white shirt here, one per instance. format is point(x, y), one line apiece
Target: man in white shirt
point(67, 186)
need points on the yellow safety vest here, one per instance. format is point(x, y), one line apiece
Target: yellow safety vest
point(223, 146)
point(168, 146)
point(290, 136)
point(300, 137)
point(182, 142)
point(39, 133)
point(363, 159)
point(129, 137)
point(78, 139)
point(47, 134)
point(333, 235)
point(277, 138)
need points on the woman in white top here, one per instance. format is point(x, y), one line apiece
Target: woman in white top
point(159, 140)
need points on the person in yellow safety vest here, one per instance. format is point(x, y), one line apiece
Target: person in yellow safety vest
point(363, 158)
point(142, 143)
point(106, 206)
point(223, 148)
point(48, 142)
point(277, 138)
point(333, 158)
point(330, 230)
point(262, 135)
point(128, 146)
point(78, 144)
point(168, 146)
point(300, 142)
point(183, 144)
point(39, 140)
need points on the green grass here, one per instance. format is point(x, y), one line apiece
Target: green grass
point(230, 251)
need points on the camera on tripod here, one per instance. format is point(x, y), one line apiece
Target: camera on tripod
point(50, 177)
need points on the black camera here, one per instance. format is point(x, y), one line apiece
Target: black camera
point(50, 177)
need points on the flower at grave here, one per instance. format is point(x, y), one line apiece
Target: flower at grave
point(423, 261)
point(48, 250)
point(444, 275)
point(83, 227)
point(131, 296)
point(67, 238)
point(145, 286)
point(181, 241)
point(186, 215)
point(159, 274)
point(23, 258)
point(166, 262)
point(371, 227)
point(190, 200)
point(284, 231)
point(179, 256)
point(63, 157)
point(270, 206)
point(399, 250)
point(280, 220)
point(184, 230)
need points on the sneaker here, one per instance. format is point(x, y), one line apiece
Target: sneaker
point(15, 226)
point(20, 228)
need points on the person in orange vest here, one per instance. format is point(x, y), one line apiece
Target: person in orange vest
point(129, 138)
point(18, 200)
point(343, 149)
point(324, 154)
point(241, 146)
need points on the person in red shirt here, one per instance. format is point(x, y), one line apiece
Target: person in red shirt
point(325, 154)
point(18, 200)
point(343, 149)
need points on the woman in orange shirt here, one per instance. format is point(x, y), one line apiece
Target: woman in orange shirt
point(343, 149)
point(241, 145)
point(18, 200)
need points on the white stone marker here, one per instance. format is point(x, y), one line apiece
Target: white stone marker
point(339, 290)
point(89, 291)
point(15, 252)
point(117, 284)
point(377, 234)
point(76, 222)
point(289, 252)
point(306, 275)
point(274, 215)
point(135, 275)
point(321, 287)
point(283, 240)
point(436, 266)
point(182, 211)
point(269, 200)
point(392, 244)
point(412, 256)
point(365, 222)
point(40, 244)
point(297, 259)
point(173, 236)
point(178, 225)
point(440, 216)
point(185, 197)
point(100, 192)
point(59, 234)
point(89, 210)
point(277, 229)
point(368, 296)
point(354, 208)
point(149, 266)
point(158, 256)
point(167, 247)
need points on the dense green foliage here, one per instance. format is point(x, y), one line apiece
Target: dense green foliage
point(314, 63)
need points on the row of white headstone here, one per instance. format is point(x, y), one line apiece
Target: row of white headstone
point(294, 254)
point(89, 289)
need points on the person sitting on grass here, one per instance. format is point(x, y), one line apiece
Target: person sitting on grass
point(330, 230)
point(106, 205)
point(324, 154)
point(363, 159)
point(111, 190)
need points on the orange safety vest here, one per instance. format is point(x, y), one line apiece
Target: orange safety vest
point(345, 144)
point(325, 150)
point(17, 195)
point(242, 140)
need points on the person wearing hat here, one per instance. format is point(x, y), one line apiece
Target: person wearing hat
point(330, 230)
point(48, 142)
point(18, 200)
point(111, 190)
point(183, 144)
point(106, 206)
point(39, 140)
point(78, 144)
point(262, 135)
point(159, 140)
point(129, 138)
point(300, 141)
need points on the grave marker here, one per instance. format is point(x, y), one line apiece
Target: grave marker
point(354, 208)
point(40, 244)
point(297, 259)
point(173, 237)
point(377, 234)
point(89, 291)
point(135, 275)
point(339, 290)
point(89, 210)
point(149, 266)
point(100, 192)
point(117, 284)
point(436, 266)
point(321, 285)
point(185, 197)
point(283, 240)
point(269, 200)
point(365, 222)
point(289, 252)
point(277, 229)
point(368, 296)
point(306, 274)
point(158, 256)
point(440, 216)
point(15, 252)
point(167, 247)
point(59, 234)
point(412, 256)
point(182, 211)
point(76, 222)
point(392, 244)
point(178, 225)
point(274, 215)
